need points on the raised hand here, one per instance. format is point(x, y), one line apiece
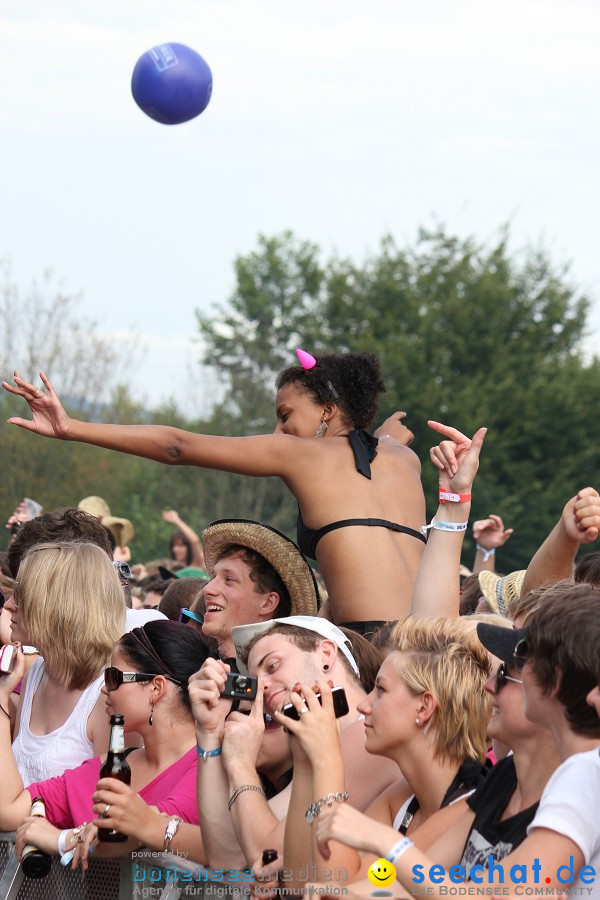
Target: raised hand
point(457, 458)
point(169, 515)
point(581, 516)
point(393, 427)
point(316, 728)
point(243, 734)
point(490, 533)
point(208, 707)
point(49, 417)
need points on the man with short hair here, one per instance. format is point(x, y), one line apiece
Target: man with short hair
point(282, 652)
point(256, 574)
point(76, 525)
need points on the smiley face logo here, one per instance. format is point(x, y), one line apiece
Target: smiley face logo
point(381, 873)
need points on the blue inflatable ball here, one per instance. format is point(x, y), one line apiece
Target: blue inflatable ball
point(171, 83)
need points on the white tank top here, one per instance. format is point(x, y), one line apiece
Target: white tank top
point(42, 756)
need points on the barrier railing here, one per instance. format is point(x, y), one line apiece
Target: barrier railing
point(145, 874)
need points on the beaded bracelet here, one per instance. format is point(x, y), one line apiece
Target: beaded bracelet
point(245, 787)
point(315, 808)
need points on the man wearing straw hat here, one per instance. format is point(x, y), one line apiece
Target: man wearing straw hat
point(256, 574)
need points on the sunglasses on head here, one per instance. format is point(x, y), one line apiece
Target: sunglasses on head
point(114, 678)
point(521, 654)
point(186, 614)
point(502, 678)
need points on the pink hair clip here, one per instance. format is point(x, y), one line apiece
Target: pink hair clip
point(306, 360)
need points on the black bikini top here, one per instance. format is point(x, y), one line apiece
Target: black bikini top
point(364, 448)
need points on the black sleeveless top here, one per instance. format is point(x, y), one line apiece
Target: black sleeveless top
point(364, 448)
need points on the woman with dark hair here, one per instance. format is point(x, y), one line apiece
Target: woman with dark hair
point(360, 497)
point(147, 683)
point(184, 544)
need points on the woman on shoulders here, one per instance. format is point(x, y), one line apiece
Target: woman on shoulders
point(360, 498)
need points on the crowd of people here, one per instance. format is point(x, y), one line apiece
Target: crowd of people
point(391, 706)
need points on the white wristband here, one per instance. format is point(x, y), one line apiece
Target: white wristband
point(485, 553)
point(444, 526)
point(62, 841)
point(398, 850)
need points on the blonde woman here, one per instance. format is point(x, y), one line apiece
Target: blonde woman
point(428, 712)
point(68, 602)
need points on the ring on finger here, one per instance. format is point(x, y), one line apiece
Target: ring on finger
point(106, 809)
point(303, 710)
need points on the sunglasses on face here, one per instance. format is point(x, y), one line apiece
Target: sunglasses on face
point(114, 678)
point(123, 570)
point(2, 599)
point(502, 678)
point(186, 614)
point(521, 654)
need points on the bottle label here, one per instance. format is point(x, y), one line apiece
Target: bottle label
point(38, 808)
point(117, 739)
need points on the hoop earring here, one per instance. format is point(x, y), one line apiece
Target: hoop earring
point(151, 714)
point(322, 428)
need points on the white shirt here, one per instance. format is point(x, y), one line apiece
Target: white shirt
point(570, 805)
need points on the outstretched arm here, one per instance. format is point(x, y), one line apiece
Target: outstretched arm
point(578, 524)
point(437, 587)
point(272, 454)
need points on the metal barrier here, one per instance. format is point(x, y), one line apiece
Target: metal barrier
point(146, 874)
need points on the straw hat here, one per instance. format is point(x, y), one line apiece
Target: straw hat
point(501, 591)
point(275, 547)
point(121, 528)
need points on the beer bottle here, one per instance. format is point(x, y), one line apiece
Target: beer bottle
point(35, 863)
point(115, 766)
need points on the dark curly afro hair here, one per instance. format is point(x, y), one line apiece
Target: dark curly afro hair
point(354, 378)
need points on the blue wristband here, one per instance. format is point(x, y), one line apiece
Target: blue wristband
point(205, 754)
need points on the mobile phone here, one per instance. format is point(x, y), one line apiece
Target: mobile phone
point(340, 704)
point(8, 658)
point(240, 687)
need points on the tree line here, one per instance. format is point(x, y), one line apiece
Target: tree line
point(467, 334)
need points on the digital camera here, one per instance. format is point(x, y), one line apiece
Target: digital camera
point(240, 687)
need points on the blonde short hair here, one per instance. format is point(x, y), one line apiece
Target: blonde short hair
point(445, 657)
point(72, 607)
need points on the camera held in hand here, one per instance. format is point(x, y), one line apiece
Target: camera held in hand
point(240, 687)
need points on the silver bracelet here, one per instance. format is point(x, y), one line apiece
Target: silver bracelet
point(245, 787)
point(315, 808)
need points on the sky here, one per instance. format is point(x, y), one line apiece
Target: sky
point(341, 120)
